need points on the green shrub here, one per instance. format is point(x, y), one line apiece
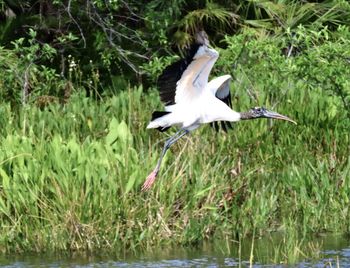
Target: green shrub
point(268, 68)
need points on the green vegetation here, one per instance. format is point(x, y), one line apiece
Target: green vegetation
point(71, 173)
point(74, 150)
point(120, 37)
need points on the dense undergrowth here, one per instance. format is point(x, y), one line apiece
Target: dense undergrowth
point(71, 170)
point(71, 176)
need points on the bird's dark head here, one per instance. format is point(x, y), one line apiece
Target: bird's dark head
point(261, 112)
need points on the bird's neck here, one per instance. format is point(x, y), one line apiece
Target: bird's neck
point(246, 115)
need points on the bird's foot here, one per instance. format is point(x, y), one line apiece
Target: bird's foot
point(149, 181)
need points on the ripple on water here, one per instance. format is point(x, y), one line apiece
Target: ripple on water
point(335, 253)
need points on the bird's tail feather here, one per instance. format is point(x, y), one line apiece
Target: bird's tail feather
point(156, 115)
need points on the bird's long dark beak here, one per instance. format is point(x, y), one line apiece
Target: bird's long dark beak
point(274, 115)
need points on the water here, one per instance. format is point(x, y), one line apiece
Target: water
point(272, 251)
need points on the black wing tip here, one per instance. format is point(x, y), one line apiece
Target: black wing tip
point(228, 100)
point(163, 129)
point(222, 125)
point(157, 114)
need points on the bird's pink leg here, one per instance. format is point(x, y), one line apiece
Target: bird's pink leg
point(150, 180)
point(153, 175)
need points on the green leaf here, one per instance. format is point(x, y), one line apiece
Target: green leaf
point(118, 131)
point(112, 131)
point(5, 180)
point(201, 193)
point(123, 133)
point(131, 182)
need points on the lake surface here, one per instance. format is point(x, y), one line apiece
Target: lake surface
point(272, 251)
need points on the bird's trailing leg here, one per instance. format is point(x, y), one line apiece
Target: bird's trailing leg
point(152, 176)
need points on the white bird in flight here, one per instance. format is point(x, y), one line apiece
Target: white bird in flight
point(190, 100)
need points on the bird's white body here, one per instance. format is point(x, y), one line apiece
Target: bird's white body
point(190, 115)
point(197, 101)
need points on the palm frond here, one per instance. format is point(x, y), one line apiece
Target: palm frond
point(212, 16)
point(280, 15)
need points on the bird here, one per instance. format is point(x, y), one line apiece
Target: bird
point(191, 100)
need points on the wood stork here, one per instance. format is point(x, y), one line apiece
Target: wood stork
point(190, 100)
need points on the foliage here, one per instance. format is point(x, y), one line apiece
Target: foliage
point(71, 174)
point(303, 60)
point(9, 78)
point(72, 159)
point(212, 16)
point(280, 15)
point(120, 36)
point(23, 72)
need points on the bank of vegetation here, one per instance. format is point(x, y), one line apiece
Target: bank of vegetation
point(74, 150)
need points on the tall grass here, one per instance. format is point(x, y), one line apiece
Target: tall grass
point(70, 176)
point(71, 172)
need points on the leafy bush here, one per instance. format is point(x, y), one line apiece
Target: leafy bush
point(268, 67)
point(23, 72)
point(10, 76)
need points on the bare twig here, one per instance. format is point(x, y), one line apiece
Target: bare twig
point(75, 22)
point(111, 34)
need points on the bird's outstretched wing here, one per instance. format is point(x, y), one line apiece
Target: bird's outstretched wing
point(172, 74)
point(195, 78)
point(220, 87)
point(185, 79)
